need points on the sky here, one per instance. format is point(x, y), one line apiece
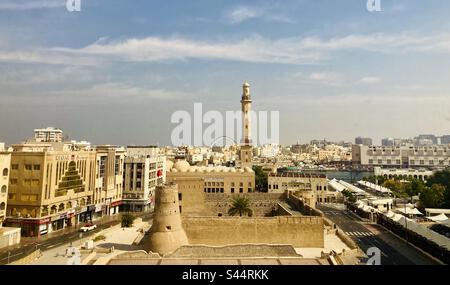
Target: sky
point(116, 71)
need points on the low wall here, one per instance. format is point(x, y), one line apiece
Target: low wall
point(296, 231)
point(233, 251)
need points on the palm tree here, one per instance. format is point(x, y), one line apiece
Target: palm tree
point(241, 206)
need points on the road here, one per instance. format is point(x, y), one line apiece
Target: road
point(394, 251)
point(47, 243)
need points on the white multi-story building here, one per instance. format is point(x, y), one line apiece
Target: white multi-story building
point(431, 157)
point(144, 169)
point(392, 173)
point(49, 134)
point(108, 179)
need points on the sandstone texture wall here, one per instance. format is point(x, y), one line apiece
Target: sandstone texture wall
point(295, 231)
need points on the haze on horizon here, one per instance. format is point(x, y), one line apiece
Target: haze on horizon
point(116, 71)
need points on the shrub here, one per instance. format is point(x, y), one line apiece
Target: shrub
point(127, 220)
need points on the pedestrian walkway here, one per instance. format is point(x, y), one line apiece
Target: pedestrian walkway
point(360, 234)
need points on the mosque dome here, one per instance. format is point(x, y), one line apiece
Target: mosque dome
point(181, 165)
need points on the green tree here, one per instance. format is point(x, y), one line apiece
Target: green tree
point(240, 206)
point(442, 178)
point(349, 195)
point(397, 187)
point(432, 197)
point(260, 179)
point(127, 220)
point(414, 187)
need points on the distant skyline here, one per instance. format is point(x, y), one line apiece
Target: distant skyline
point(116, 71)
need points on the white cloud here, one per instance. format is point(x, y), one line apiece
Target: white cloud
point(243, 13)
point(256, 49)
point(370, 80)
point(31, 5)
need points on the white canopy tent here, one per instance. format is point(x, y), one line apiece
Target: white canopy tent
point(409, 211)
point(375, 187)
point(438, 218)
point(336, 186)
point(352, 188)
point(421, 230)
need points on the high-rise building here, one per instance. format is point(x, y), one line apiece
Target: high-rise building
point(388, 142)
point(363, 141)
point(445, 139)
point(426, 140)
point(144, 169)
point(246, 146)
point(108, 179)
point(48, 134)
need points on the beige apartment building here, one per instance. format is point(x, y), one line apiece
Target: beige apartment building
point(5, 159)
point(49, 187)
point(108, 181)
point(195, 182)
point(309, 187)
point(8, 236)
point(215, 179)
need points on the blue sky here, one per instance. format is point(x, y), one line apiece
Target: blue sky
point(117, 70)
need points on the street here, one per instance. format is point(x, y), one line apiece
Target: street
point(56, 239)
point(394, 251)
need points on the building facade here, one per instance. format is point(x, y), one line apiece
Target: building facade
point(49, 188)
point(5, 161)
point(108, 179)
point(144, 169)
point(433, 157)
point(393, 173)
point(48, 135)
point(363, 141)
point(309, 187)
point(216, 179)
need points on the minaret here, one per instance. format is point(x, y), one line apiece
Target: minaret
point(166, 233)
point(246, 146)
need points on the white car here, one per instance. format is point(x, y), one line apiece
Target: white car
point(88, 227)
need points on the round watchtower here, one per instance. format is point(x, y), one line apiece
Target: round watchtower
point(166, 233)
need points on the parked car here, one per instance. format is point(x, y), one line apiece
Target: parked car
point(88, 227)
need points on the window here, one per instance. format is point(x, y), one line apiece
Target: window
point(249, 189)
point(2, 206)
point(28, 167)
point(11, 196)
point(4, 189)
point(5, 172)
point(232, 190)
point(13, 181)
point(36, 167)
point(241, 190)
point(14, 166)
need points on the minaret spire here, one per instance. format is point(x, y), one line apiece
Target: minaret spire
point(246, 146)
